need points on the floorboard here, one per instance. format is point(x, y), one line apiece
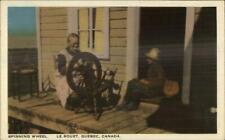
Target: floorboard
point(48, 113)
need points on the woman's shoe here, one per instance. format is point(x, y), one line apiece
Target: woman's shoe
point(122, 106)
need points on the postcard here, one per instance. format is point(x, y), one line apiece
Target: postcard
point(112, 70)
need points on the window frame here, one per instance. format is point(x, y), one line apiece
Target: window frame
point(73, 27)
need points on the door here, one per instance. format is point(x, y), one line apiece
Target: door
point(163, 28)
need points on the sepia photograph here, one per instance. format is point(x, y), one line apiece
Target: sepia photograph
point(112, 70)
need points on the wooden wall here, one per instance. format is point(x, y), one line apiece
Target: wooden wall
point(118, 42)
point(53, 32)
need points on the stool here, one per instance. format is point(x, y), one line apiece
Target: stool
point(16, 80)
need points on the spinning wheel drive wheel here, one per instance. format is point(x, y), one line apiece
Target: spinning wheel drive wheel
point(84, 72)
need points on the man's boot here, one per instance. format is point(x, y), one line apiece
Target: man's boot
point(132, 106)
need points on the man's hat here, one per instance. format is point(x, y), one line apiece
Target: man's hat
point(153, 53)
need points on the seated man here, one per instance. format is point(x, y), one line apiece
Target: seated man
point(145, 88)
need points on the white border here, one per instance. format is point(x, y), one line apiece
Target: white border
point(113, 3)
point(220, 57)
point(0, 69)
point(220, 70)
point(4, 70)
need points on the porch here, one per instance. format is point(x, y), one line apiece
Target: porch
point(45, 112)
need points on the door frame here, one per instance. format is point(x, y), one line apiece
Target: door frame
point(133, 31)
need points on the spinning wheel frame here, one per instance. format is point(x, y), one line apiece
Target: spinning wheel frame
point(91, 76)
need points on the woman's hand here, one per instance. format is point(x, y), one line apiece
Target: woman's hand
point(144, 81)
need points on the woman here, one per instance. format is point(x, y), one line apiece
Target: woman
point(63, 59)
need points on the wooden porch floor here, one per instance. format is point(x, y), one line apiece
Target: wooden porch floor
point(46, 113)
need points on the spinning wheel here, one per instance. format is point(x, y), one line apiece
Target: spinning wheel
point(84, 76)
point(84, 71)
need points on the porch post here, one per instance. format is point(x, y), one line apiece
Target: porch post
point(133, 21)
point(189, 28)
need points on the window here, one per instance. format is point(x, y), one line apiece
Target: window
point(93, 29)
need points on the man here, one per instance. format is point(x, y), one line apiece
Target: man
point(148, 87)
point(63, 91)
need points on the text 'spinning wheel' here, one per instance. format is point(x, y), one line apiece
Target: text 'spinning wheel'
point(88, 66)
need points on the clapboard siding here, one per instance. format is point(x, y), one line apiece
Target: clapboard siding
point(48, 56)
point(118, 32)
point(54, 29)
point(118, 24)
point(53, 32)
point(54, 41)
point(50, 8)
point(53, 12)
point(117, 51)
point(115, 60)
point(118, 15)
point(54, 19)
point(53, 26)
point(120, 77)
point(118, 42)
point(51, 48)
point(118, 9)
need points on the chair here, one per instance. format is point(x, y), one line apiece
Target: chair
point(19, 73)
point(22, 64)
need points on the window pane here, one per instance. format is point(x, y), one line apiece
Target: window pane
point(91, 30)
point(84, 37)
point(83, 18)
point(83, 28)
point(99, 42)
point(99, 22)
point(99, 35)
